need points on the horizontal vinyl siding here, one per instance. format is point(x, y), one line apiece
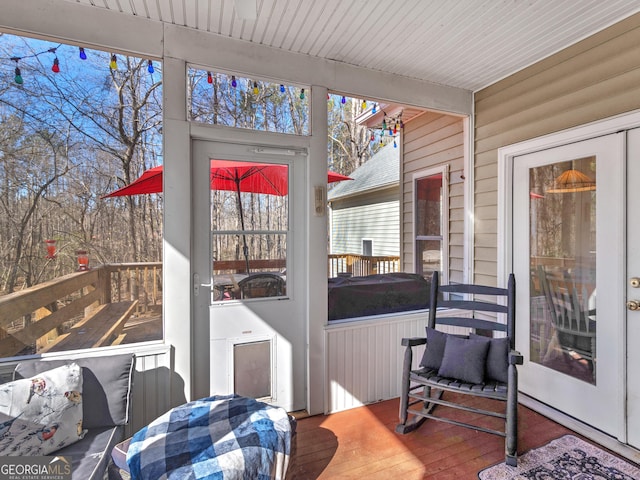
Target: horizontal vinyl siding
point(597, 78)
point(376, 218)
point(433, 140)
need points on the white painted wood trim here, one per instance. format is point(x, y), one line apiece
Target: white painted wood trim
point(469, 203)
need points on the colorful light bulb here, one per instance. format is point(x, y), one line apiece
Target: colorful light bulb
point(113, 64)
point(302, 94)
point(150, 68)
point(384, 124)
point(395, 145)
point(364, 104)
point(209, 78)
point(373, 137)
point(234, 84)
point(256, 90)
point(375, 108)
point(344, 100)
point(83, 56)
point(281, 88)
point(18, 77)
point(56, 66)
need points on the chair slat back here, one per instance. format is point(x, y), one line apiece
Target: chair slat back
point(481, 312)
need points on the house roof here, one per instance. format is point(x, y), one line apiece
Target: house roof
point(468, 44)
point(382, 170)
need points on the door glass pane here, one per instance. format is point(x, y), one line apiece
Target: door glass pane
point(562, 219)
point(249, 218)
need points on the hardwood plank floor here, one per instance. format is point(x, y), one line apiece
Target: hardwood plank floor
point(361, 443)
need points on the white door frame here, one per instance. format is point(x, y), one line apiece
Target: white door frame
point(201, 345)
point(505, 244)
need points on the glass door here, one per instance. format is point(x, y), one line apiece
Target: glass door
point(568, 231)
point(249, 269)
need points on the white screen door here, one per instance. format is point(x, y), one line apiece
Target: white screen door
point(568, 255)
point(250, 270)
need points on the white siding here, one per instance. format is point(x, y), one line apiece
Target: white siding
point(374, 217)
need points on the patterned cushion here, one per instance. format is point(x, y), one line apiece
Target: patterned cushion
point(41, 414)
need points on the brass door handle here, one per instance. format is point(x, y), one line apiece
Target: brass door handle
point(633, 305)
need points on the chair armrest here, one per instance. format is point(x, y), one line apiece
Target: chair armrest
point(414, 341)
point(515, 358)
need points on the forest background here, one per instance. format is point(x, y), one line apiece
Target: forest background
point(79, 123)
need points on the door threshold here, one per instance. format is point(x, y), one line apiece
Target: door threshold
point(581, 428)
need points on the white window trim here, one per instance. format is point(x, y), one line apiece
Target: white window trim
point(444, 170)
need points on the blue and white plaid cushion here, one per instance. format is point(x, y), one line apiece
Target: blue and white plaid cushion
point(221, 437)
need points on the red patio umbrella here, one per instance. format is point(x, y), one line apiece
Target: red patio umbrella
point(228, 175)
point(253, 177)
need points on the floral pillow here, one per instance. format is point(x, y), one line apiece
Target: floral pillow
point(41, 414)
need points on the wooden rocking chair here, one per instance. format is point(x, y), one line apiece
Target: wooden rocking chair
point(474, 365)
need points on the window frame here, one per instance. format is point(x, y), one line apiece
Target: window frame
point(443, 171)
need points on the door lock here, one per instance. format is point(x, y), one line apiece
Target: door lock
point(633, 305)
point(634, 282)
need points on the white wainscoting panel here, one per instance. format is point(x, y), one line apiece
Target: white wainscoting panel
point(364, 359)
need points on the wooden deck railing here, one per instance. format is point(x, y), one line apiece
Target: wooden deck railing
point(361, 265)
point(33, 318)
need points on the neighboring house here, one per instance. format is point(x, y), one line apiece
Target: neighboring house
point(482, 142)
point(364, 214)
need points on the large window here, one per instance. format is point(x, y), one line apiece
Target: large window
point(77, 270)
point(430, 222)
point(366, 276)
point(223, 99)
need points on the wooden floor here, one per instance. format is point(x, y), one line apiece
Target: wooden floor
point(361, 443)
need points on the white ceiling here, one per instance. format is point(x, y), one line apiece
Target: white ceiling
point(468, 44)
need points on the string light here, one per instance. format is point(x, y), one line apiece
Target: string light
point(302, 94)
point(113, 64)
point(234, 84)
point(83, 55)
point(343, 100)
point(55, 68)
point(256, 90)
point(209, 78)
point(364, 104)
point(150, 68)
point(282, 88)
point(18, 77)
point(375, 106)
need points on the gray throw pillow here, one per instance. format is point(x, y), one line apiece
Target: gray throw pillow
point(432, 357)
point(464, 359)
point(497, 358)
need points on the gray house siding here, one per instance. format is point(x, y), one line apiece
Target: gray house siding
point(433, 140)
point(596, 78)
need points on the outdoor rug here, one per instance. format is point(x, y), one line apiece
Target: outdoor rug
point(566, 458)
